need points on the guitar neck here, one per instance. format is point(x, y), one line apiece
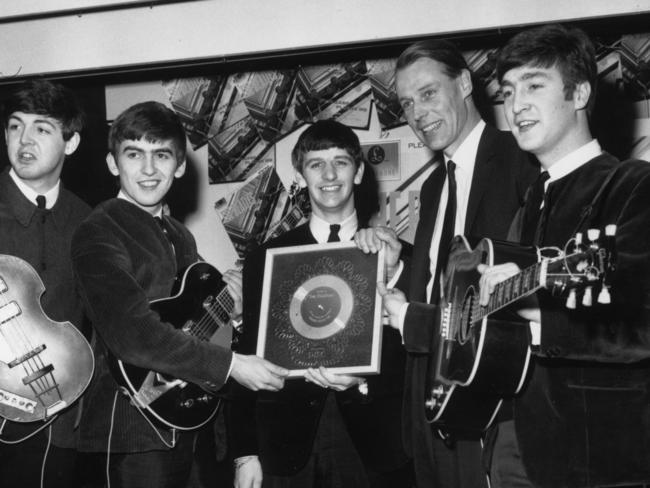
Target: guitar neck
point(218, 310)
point(521, 285)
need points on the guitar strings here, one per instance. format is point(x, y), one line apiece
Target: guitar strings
point(204, 326)
point(15, 334)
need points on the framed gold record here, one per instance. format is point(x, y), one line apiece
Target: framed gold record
point(320, 307)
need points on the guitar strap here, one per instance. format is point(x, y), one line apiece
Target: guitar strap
point(587, 214)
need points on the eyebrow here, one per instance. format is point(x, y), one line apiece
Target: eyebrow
point(166, 150)
point(37, 121)
point(527, 76)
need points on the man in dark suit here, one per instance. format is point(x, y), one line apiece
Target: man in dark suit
point(583, 419)
point(38, 216)
point(490, 176)
point(331, 430)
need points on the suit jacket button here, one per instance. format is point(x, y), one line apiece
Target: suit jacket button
point(553, 351)
point(313, 403)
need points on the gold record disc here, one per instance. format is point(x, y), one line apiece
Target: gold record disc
point(321, 307)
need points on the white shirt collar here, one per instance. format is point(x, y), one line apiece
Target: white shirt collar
point(465, 155)
point(123, 196)
point(320, 228)
point(51, 196)
point(574, 160)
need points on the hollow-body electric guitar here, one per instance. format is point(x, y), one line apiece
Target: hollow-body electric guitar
point(44, 365)
point(200, 307)
point(482, 352)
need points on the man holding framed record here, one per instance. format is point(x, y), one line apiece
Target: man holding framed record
point(324, 428)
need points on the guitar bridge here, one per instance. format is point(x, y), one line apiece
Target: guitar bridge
point(27, 356)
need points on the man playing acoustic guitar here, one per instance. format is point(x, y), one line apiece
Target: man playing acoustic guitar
point(126, 254)
point(582, 420)
point(42, 122)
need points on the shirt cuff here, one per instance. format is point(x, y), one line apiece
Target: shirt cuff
point(401, 318)
point(393, 280)
point(535, 333)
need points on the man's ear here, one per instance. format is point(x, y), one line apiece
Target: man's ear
point(358, 176)
point(302, 182)
point(465, 83)
point(180, 169)
point(581, 95)
point(112, 165)
point(72, 144)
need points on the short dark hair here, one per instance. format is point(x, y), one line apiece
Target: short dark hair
point(326, 134)
point(440, 50)
point(151, 121)
point(568, 48)
point(43, 97)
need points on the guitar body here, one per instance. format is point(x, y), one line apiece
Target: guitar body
point(193, 309)
point(476, 363)
point(44, 365)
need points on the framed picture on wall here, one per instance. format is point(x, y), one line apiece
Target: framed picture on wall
point(320, 307)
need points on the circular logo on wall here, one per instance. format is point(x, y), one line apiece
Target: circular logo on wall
point(376, 155)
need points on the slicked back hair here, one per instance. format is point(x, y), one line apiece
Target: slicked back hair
point(440, 50)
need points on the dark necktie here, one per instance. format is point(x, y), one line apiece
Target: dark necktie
point(533, 211)
point(163, 226)
point(334, 233)
point(40, 202)
point(448, 225)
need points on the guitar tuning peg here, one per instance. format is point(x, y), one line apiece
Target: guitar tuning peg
point(586, 297)
point(593, 235)
point(578, 238)
point(571, 299)
point(610, 230)
point(604, 297)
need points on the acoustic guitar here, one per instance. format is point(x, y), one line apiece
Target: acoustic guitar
point(482, 352)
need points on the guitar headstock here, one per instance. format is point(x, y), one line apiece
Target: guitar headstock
point(584, 268)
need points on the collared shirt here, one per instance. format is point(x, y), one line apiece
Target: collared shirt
point(320, 228)
point(573, 161)
point(51, 196)
point(123, 196)
point(465, 160)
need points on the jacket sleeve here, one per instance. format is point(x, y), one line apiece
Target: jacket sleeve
point(240, 413)
point(109, 277)
point(419, 326)
point(619, 332)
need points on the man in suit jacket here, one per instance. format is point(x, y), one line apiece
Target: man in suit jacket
point(126, 254)
point(583, 419)
point(434, 86)
point(42, 122)
point(331, 430)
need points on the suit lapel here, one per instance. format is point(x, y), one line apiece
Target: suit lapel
point(429, 203)
point(481, 178)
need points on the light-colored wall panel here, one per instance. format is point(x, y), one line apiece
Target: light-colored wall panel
point(208, 29)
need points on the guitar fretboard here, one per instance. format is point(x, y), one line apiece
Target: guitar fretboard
point(524, 283)
point(218, 311)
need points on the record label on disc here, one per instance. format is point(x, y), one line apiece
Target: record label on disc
point(321, 307)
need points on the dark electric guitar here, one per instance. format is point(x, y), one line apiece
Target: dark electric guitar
point(482, 352)
point(44, 365)
point(201, 308)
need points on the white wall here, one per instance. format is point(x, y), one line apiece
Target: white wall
point(207, 29)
